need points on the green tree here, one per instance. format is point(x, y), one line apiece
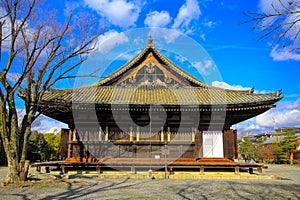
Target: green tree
point(260, 149)
point(247, 149)
point(53, 145)
point(287, 146)
point(37, 147)
point(273, 152)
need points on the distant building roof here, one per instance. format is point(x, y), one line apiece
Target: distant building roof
point(277, 138)
point(272, 140)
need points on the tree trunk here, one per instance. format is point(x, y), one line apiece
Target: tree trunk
point(24, 167)
point(291, 158)
point(12, 175)
point(16, 172)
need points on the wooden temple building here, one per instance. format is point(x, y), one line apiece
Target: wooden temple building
point(152, 112)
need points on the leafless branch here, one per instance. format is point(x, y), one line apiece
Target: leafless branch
point(281, 24)
point(41, 51)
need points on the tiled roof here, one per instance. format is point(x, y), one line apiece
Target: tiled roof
point(278, 138)
point(104, 92)
point(159, 95)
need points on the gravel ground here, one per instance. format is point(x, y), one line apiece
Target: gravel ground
point(94, 188)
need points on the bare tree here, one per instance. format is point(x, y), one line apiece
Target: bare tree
point(279, 21)
point(36, 52)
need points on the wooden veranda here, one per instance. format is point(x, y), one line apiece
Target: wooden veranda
point(144, 164)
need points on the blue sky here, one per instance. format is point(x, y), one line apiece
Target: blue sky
point(242, 61)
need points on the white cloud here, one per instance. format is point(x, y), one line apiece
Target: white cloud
point(202, 36)
point(209, 24)
point(121, 13)
point(128, 56)
point(187, 12)
point(203, 67)
point(166, 34)
point(70, 6)
point(250, 126)
point(280, 54)
point(225, 85)
point(293, 31)
point(42, 124)
point(6, 30)
point(267, 6)
point(289, 105)
point(279, 118)
point(110, 39)
point(181, 58)
point(46, 124)
point(54, 130)
point(157, 19)
point(13, 77)
point(286, 114)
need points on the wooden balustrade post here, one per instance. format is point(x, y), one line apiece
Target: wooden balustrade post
point(106, 134)
point(131, 134)
point(138, 134)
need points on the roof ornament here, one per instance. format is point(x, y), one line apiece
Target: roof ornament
point(150, 42)
point(279, 92)
point(251, 91)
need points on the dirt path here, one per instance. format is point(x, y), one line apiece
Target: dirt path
point(95, 188)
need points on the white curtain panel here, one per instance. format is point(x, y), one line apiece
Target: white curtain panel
point(213, 144)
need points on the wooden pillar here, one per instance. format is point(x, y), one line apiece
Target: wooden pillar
point(138, 134)
point(150, 151)
point(259, 170)
point(235, 144)
point(237, 170)
point(98, 169)
point(85, 136)
point(38, 168)
point(202, 170)
point(69, 143)
point(100, 135)
point(193, 136)
point(74, 135)
point(106, 133)
point(134, 149)
point(64, 143)
point(131, 134)
point(169, 135)
point(198, 148)
point(162, 136)
point(63, 170)
point(133, 171)
point(250, 170)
